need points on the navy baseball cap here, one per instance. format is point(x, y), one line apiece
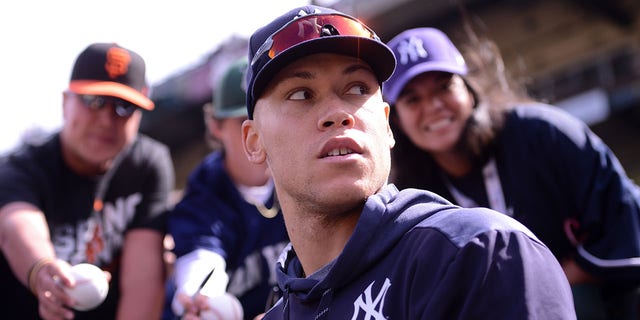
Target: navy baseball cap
point(229, 100)
point(418, 51)
point(111, 70)
point(307, 30)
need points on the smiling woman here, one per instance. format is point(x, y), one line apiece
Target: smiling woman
point(26, 70)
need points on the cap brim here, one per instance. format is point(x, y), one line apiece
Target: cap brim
point(376, 54)
point(235, 112)
point(391, 93)
point(114, 89)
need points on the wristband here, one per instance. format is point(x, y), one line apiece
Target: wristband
point(33, 272)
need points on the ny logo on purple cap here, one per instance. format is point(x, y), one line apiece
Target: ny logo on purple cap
point(411, 49)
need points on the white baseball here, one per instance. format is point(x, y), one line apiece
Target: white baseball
point(91, 286)
point(223, 307)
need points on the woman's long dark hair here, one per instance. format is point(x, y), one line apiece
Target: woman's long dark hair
point(494, 92)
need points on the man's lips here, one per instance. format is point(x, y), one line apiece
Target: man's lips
point(339, 152)
point(340, 147)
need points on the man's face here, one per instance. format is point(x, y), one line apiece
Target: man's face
point(322, 127)
point(92, 137)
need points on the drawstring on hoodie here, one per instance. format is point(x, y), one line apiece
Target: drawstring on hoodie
point(285, 300)
point(323, 307)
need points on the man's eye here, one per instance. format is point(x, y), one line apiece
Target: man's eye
point(358, 89)
point(300, 95)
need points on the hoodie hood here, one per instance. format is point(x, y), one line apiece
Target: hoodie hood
point(386, 217)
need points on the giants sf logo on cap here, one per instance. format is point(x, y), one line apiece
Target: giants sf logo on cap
point(117, 64)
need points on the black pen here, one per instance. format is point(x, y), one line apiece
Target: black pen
point(178, 317)
point(204, 281)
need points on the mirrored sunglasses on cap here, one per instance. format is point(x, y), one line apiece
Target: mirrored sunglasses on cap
point(121, 107)
point(312, 27)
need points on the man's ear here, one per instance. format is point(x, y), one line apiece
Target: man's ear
point(387, 112)
point(251, 143)
point(209, 120)
point(66, 97)
point(213, 126)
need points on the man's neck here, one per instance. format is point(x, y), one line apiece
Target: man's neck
point(84, 168)
point(316, 240)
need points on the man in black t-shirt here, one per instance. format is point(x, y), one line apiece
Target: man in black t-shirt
point(94, 192)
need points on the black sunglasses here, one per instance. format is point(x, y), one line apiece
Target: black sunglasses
point(122, 108)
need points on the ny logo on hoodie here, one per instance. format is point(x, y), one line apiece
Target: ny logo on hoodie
point(371, 307)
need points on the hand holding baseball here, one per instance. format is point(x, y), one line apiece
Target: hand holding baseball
point(91, 287)
point(58, 285)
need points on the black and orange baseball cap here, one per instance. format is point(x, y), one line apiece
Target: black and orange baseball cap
point(111, 70)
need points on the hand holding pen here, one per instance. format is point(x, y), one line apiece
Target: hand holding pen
point(195, 303)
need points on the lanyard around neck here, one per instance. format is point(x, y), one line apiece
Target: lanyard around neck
point(492, 185)
point(264, 211)
point(103, 183)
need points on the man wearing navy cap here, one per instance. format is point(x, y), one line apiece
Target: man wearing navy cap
point(360, 248)
point(95, 192)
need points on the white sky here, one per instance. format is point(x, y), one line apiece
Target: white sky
point(40, 39)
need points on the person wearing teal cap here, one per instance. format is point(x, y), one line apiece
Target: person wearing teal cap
point(228, 219)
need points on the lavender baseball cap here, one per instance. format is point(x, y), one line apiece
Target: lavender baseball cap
point(418, 51)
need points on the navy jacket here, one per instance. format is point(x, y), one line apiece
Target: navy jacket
point(213, 216)
point(562, 181)
point(414, 255)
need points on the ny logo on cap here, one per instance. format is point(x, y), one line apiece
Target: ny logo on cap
point(117, 62)
point(302, 13)
point(411, 49)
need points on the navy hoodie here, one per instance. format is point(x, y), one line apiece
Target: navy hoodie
point(214, 216)
point(413, 255)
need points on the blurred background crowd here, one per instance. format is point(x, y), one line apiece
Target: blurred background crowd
point(580, 55)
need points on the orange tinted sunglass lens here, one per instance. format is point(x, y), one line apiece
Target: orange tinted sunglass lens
point(312, 27)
